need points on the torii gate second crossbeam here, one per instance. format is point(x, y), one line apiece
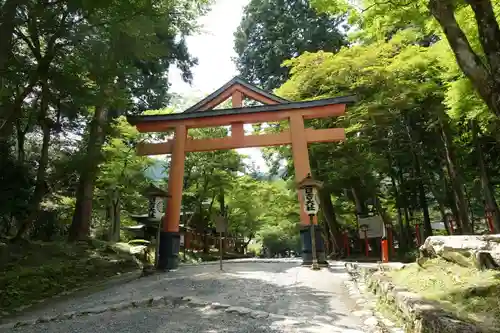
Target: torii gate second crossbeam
point(203, 115)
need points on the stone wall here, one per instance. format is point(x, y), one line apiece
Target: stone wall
point(419, 315)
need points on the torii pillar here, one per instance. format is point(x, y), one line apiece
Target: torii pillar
point(170, 238)
point(302, 166)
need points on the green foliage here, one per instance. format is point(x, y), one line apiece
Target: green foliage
point(272, 31)
point(409, 140)
point(122, 173)
point(73, 68)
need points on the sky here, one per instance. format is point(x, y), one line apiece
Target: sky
point(213, 47)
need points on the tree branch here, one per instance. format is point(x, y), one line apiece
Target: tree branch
point(467, 59)
point(489, 32)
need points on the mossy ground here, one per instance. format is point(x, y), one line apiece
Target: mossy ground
point(31, 271)
point(472, 295)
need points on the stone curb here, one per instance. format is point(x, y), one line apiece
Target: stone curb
point(110, 282)
point(373, 319)
point(419, 315)
point(244, 260)
point(157, 301)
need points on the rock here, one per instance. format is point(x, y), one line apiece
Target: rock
point(362, 313)
point(175, 301)
point(371, 322)
point(239, 310)
point(25, 323)
point(360, 301)
point(45, 319)
point(142, 302)
point(158, 300)
point(484, 260)
point(259, 314)
point(481, 251)
point(218, 306)
point(198, 303)
point(67, 315)
point(97, 310)
point(120, 306)
point(437, 323)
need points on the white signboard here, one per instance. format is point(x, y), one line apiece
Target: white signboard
point(159, 207)
point(220, 224)
point(311, 200)
point(182, 239)
point(375, 227)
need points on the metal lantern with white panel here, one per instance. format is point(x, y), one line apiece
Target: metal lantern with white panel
point(309, 188)
point(157, 199)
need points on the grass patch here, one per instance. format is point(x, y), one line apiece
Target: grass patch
point(472, 295)
point(388, 311)
point(31, 271)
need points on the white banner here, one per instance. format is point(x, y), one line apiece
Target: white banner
point(375, 227)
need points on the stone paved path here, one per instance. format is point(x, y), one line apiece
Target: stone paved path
point(300, 300)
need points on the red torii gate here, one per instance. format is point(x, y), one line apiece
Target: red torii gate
point(202, 114)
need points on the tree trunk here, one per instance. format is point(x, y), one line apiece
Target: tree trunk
point(223, 212)
point(116, 220)
point(485, 77)
point(410, 124)
point(440, 199)
point(359, 203)
point(452, 203)
point(7, 25)
point(403, 240)
point(41, 187)
point(82, 216)
point(422, 198)
point(110, 217)
point(444, 216)
point(330, 218)
point(404, 203)
point(245, 244)
point(114, 217)
point(488, 192)
point(455, 179)
point(21, 139)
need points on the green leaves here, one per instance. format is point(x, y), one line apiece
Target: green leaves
point(273, 31)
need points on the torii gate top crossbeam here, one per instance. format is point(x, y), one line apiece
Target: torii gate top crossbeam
point(256, 114)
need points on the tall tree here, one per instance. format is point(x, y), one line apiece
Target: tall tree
point(153, 43)
point(272, 31)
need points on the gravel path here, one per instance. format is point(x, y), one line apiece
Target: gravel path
point(183, 319)
point(300, 299)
